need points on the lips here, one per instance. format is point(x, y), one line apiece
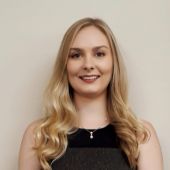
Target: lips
point(89, 77)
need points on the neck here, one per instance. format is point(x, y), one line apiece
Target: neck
point(92, 112)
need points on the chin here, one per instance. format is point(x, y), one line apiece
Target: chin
point(91, 93)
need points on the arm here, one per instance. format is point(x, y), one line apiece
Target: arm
point(150, 157)
point(27, 157)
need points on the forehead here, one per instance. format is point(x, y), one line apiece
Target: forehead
point(90, 36)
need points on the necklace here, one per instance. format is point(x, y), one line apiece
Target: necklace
point(92, 131)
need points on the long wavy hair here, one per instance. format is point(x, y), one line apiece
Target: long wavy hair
point(60, 112)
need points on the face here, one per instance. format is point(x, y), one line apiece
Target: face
point(90, 63)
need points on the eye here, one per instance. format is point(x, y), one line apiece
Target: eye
point(100, 54)
point(75, 55)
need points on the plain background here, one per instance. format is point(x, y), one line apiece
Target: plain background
point(30, 34)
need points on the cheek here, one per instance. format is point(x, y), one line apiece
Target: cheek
point(110, 65)
point(107, 67)
point(72, 69)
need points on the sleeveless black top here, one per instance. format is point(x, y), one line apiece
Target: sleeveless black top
point(102, 152)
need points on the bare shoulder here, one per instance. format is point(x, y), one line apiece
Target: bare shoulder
point(28, 135)
point(147, 124)
point(27, 156)
point(149, 128)
point(150, 157)
point(30, 129)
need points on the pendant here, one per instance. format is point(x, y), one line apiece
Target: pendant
point(91, 135)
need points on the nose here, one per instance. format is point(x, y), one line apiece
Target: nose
point(88, 63)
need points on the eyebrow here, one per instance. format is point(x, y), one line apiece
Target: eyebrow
point(94, 48)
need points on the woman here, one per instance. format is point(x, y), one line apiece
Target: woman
point(88, 123)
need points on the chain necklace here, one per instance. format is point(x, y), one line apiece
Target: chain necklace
point(92, 131)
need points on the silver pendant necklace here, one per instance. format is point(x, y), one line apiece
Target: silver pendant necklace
point(92, 131)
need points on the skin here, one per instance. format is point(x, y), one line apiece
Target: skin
point(90, 99)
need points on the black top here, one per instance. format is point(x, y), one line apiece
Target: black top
point(102, 152)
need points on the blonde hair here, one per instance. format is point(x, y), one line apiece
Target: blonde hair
point(51, 132)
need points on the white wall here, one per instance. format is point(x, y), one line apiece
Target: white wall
point(30, 34)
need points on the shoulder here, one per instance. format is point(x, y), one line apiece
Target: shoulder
point(30, 129)
point(149, 129)
point(27, 156)
point(28, 136)
point(150, 156)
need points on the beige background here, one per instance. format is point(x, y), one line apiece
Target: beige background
point(30, 34)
